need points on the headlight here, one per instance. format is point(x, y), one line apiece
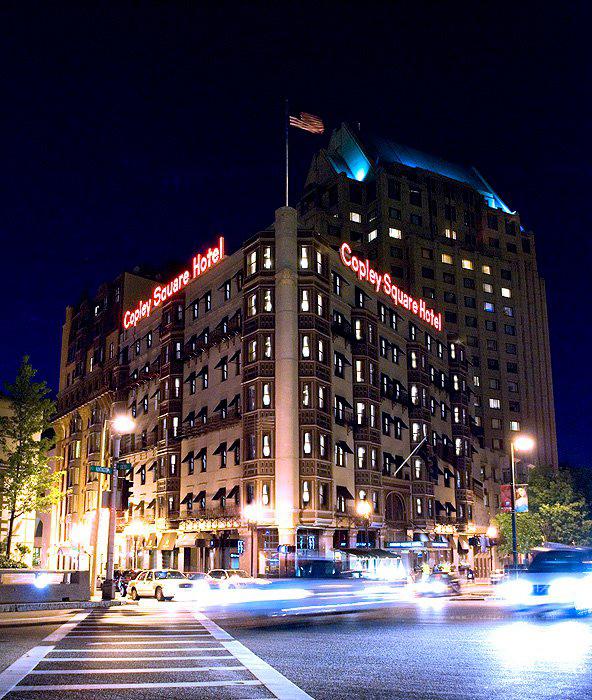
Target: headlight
point(564, 590)
point(516, 591)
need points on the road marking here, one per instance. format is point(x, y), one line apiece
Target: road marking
point(27, 662)
point(159, 635)
point(160, 641)
point(273, 680)
point(198, 657)
point(132, 686)
point(133, 651)
point(103, 671)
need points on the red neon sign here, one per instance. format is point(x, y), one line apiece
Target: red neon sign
point(200, 264)
point(382, 282)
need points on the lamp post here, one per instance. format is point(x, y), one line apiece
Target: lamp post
point(521, 443)
point(364, 509)
point(251, 513)
point(120, 425)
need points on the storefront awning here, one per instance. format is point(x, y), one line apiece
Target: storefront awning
point(167, 541)
point(371, 553)
point(200, 496)
point(345, 447)
point(151, 541)
point(220, 493)
point(343, 491)
point(188, 497)
point(233, 492)
point(189, 540)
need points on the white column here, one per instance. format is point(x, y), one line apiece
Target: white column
point(286, 370)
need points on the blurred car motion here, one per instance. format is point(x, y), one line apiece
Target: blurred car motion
point(557, 578)
point(233, 578)
point(162, 584)
point(438, 584)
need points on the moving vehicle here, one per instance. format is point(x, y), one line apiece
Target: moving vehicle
point(558, 578)
point(162, 584)
point(438, 584)
point(232, 578)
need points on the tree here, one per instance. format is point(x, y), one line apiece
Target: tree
point(529, 533)
point(27, 481)
point(561, 507)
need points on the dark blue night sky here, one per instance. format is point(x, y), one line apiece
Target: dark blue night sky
point(134, 134)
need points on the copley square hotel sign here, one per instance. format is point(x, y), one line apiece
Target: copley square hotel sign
point(382, 282)
point(201, 263)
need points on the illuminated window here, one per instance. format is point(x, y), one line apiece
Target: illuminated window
point(304, 257)
point(266, 394)
point(447, 259)
point(361, 457)
point(267, 258)
point(305, 493)
point(306, 395)
point(373, 235)
point(506, 292)
point(359, 371)
point(267, 348)
point(450, 233)
point(305, 347)
point(267, 301)
point(486, 269)
point(320, 305)
point(495, 403)
point(355, 217)
point(307, 443)
point(414, 395)
point(360, 412)
point(416, 432)
point(358, 329)
point(320, 351)
point(488, 306)
point(417, 464)
point(322, 446)
point(322, 398)
point(265, 495)
point(319, 263)
point(252, 263)
point(418, 507)
point(252, 350)
point(468, 264)
point(514, 425)
point(252, 305)
point(395, 232)
point(266, 444)
point(487, 288)
point(476, 380)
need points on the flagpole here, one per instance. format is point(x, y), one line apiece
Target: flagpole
point(287, 127)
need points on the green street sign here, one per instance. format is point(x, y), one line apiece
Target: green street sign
point(124, 467)
point(100, 469)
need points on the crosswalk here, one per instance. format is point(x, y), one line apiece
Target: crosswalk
point(165, 651)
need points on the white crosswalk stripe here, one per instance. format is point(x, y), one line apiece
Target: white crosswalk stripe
point(165, 651)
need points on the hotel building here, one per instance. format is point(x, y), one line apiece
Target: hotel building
point(446, 236)
point(274, 390)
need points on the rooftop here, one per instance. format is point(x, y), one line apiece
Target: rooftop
point(357, 155)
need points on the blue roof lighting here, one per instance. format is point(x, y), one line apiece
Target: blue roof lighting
point(356, 158)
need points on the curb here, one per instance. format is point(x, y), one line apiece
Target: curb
point(62, 605)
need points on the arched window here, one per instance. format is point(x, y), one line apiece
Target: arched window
point(394, 508)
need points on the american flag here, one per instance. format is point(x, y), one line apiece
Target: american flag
point(308, 122)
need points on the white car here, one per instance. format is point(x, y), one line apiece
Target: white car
point(162, 584)
point(558, 578)
point(232, 578)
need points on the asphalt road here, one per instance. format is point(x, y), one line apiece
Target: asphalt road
point(329, 645)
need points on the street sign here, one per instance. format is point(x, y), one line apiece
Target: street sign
point(124, 466)
point(99, 468)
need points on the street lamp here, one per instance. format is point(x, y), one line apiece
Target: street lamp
point(252, 514)
point(364, 509)
point(521, 443)
point(120, 425)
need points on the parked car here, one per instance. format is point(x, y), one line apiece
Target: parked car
point(438, 584)
point(162, 584)
point(558, 578)
point(232, 578)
